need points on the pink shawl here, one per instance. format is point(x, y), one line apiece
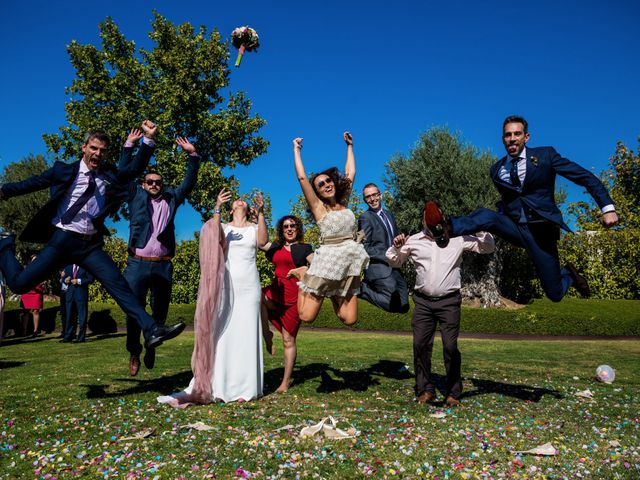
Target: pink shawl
point(212, 269)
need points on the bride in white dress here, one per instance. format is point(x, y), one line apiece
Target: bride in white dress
point(227, 358)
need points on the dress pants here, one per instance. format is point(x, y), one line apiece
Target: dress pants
point(540, 239)
point(427, 313)
point(66, 248)
point(76, 303)
point(389, 293)
point(146, 276)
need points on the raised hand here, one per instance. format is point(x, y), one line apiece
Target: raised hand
point(150, 129)
point(258, 201)
point(185, 145)
point(400, 240)
point(134, 136)
point(348, 138)
point(297, 143)
point(223, 197)
point(609, 219)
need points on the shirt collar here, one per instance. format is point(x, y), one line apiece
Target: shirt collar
point(523, 154)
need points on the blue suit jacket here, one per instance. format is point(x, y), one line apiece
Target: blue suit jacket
point(59, 179)
point(376, 242)
point(140, 222)
point(78, 292)
point(537, 195)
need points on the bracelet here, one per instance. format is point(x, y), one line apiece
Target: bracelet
point(217, 211)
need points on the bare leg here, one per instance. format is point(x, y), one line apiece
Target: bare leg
point(308, 306)
point(267, 334)
point(36, 322)
point(290, 352)
point(346, 309)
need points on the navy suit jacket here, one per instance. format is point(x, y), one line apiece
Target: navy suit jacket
point(78, 292)
point(536, 197)
point(59, 179)
point(376, 242)
point(140, 222)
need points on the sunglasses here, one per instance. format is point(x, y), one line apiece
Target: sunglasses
point(153, 182)
point(322, 183)
point(289, 225)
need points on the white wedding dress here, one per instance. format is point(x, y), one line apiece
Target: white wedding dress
point(238, 368)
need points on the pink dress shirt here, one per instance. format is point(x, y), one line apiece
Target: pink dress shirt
point(159, 213)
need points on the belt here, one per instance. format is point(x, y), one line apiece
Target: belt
point(357, 237)
point(153, 259)
point(82, 236)
point(435, 299)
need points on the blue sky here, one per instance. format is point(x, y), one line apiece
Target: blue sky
point(386, 71)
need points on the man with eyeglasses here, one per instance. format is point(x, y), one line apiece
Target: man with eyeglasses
point(152, 244)
point(383, 286)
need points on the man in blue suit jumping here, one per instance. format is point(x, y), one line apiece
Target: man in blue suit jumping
point(527, 215)
point(152, 244)
point(71, 225)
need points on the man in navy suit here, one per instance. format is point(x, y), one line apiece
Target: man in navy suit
point(383, 286)
point(527, 215)
point(77, 280)
point(71, 224)
point(152, 244)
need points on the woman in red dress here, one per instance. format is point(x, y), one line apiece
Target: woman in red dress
point(32, 303)
point(280, 302)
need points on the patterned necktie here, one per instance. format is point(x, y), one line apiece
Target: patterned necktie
point(513, 173)
point(387, 225)
point(73, 210)
point(75, 272)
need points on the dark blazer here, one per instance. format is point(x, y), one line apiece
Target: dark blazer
point(299, 253)
point(376, 242)
point(78, 292)
point(59, 179)
point(140, 222)
point(536, 196)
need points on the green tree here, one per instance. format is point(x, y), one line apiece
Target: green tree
point(623, 179)
point(178, 85)
point(16, 212)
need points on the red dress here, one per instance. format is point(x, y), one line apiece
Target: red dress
point(32, 300)
point(283, 292)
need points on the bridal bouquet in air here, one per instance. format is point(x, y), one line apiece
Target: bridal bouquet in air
point(244, 39)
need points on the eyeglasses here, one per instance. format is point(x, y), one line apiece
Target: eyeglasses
point(153, 182)
point(372, 196)
point(289, 225)
point(322, 183)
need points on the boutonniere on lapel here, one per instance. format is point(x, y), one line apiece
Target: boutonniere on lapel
point(534, 161)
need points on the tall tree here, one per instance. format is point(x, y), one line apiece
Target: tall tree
point(16, 212)
point(443, 168)
point(178, 85)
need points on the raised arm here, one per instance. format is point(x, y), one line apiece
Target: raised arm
point(307, 190)
point(263, 233)
point(129, 167)
point(193, 166)
point(397, 253)
point(350, 164)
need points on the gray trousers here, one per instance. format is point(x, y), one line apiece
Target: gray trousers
point(427, 313)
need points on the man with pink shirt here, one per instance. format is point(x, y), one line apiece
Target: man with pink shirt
point(152, 245)
point(437, 299)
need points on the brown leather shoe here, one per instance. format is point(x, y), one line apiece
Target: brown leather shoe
point(452, 402)
point(426, 397)
point(436, 223)
point(579, 282)
point(134, 365)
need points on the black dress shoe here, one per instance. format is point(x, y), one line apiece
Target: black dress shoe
point(162, 333)
point(149, 358)
point(579, 282)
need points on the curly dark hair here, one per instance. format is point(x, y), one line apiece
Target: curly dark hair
point(341, 183)
point(280, 229)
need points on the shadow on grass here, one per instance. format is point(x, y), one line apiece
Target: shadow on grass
point(333, 379)
point(4, 364)
point(521, 392)
point(161, 385)
point(28, 339)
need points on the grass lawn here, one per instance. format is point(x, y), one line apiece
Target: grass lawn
point(65, 409)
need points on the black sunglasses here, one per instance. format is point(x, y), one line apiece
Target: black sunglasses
point(322, 183)
point(289, 225)
point(153, 182)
